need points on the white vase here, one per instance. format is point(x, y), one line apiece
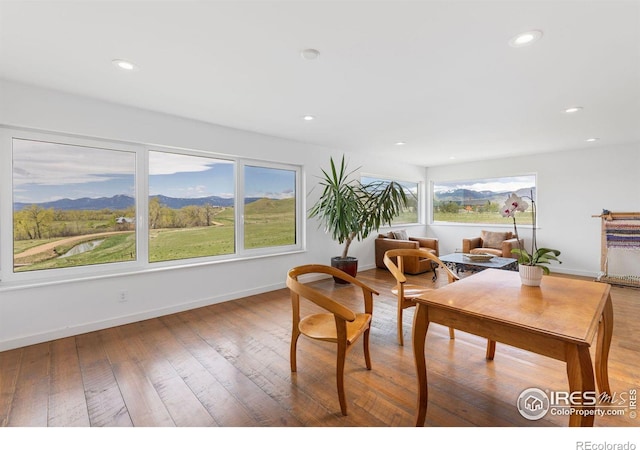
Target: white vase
point(530, 275)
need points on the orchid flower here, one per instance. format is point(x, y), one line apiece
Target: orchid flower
point(506, 212)
point(512, 204)
point(537, 257)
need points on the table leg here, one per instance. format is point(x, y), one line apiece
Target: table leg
point(605, 330)
point(420, 326)
point(580, 374)
point(491, 350)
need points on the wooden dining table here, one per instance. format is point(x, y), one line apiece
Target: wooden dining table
point(558, 319)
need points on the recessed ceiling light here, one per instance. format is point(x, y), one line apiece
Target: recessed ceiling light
point(526, 38)
point(308, 117)
point(124, 65)
point(592, 139)
point(401, 143)
point(310, 53)
point(573, 109)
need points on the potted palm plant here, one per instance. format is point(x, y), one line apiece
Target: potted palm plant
point(351, 210)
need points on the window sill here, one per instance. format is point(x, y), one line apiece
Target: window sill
point(6, 286)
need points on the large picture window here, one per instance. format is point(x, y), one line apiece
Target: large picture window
point(191, 206)
point(411, 213)
point(72, 205)
point(479, 201)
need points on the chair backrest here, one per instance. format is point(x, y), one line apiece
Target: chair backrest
point(399, 254)
point(299, 289)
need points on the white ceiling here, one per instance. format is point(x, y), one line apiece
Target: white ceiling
point(439, 76)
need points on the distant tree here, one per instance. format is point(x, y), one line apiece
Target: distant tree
point(76, 217)
point(34, 221)
point(450, 207)
point(492, 207)
point(154, 213)
point(191, 216)
point(21, 228)
point(209, 212)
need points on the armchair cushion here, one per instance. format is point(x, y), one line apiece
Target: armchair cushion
point(401, 234)
point(493, 239)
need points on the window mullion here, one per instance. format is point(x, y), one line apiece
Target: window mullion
point(240, 207)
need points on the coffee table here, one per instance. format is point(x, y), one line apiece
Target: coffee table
point(458, 262)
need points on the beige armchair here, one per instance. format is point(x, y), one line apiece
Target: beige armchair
point(412, 264)
point(492, 242)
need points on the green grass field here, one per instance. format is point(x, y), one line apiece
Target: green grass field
point(21, 246)
point(121, 247)
point(480, 218)
point(268, 223)
point(406, 217)
point(181, 243)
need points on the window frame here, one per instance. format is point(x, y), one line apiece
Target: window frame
point(9, 278)
point(299, 205)
point(195, 259)
point(506, 223)
point(7, 135)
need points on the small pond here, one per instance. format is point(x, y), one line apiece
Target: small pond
point(81, 248)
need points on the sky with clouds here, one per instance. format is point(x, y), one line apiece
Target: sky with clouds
point(44, 171)
point(505, 184)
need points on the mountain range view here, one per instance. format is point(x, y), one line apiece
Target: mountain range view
point(120, 202)
point(470, 197)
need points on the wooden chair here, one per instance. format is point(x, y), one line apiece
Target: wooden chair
point(340, 325)
point(407, 293)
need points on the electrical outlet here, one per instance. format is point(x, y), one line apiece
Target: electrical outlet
point(123, 296)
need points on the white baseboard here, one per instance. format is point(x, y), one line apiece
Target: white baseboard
point(578, 273)
point(75, 330)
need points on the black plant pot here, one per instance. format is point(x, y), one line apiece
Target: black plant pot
point(348, 265)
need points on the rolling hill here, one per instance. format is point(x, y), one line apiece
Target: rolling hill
point(470, 197)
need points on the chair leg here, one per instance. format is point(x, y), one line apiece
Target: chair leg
point(452, 334)
point(367, 355)
point(342, 354)
point(292, 355)
point(400, 337)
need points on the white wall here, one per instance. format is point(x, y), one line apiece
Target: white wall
point(572, 186)
point(30, 314)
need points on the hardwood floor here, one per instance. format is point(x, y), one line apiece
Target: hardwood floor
point(227, 365)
